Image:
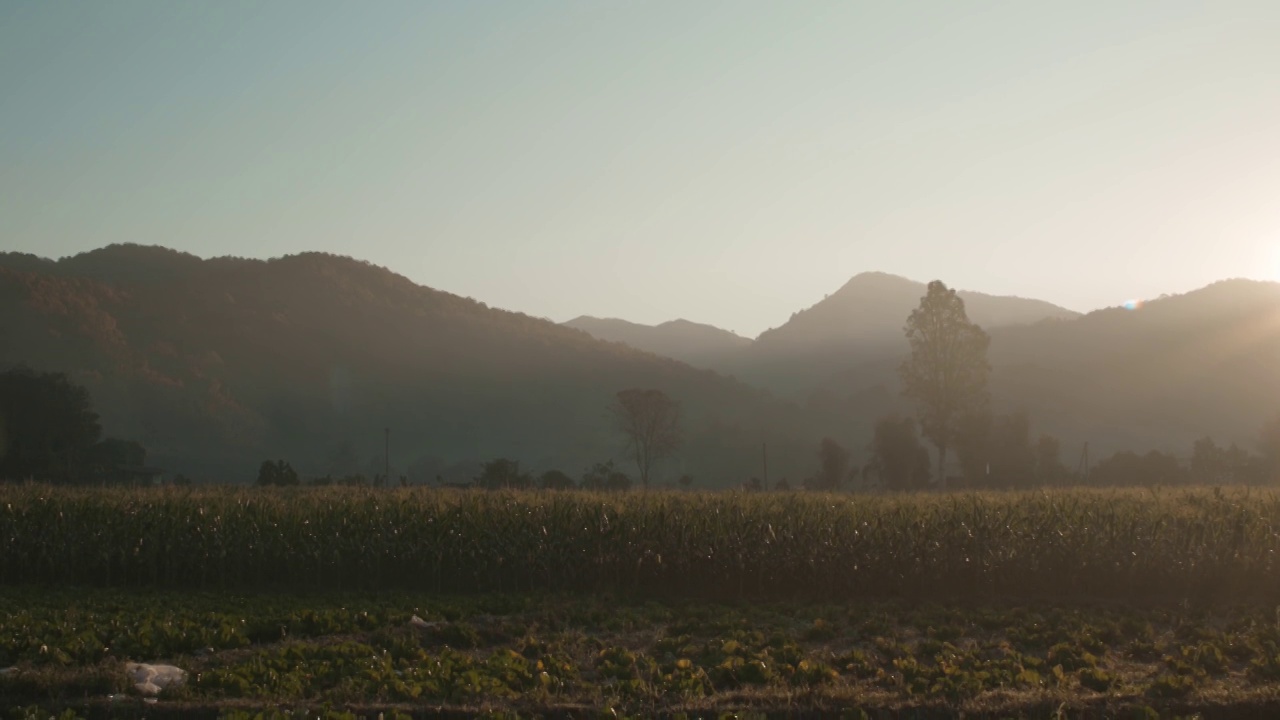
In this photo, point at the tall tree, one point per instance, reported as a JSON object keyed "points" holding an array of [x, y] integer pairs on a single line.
{"points": [[651, 422], [946, 373]]}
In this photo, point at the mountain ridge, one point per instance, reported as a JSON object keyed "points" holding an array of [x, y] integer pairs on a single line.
{"points": [[237, 360], [697, 344], [219, 363]]}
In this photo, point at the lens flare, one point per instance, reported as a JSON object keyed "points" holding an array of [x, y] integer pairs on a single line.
{"points": [[1132, 304]]}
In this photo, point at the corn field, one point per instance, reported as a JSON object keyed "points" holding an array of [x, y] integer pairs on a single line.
{"points": [[1101, 544]]}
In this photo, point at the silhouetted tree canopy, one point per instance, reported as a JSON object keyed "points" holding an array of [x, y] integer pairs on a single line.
{"points": [[833, 466], [604, 476], [1215, 465], [555, 480], [1129, 468], [946, 373], [278, 473], [47, 426], [899, 461], [116, 461], [502, 473]]}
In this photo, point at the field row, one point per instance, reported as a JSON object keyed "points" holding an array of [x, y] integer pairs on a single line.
{"points": [[1186, 543], [532, 655]]}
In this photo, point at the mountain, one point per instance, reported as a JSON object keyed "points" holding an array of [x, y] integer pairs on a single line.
{"points": [[693, 343], [860, 324], [873, 307], [1159, 375], [216, 365]]}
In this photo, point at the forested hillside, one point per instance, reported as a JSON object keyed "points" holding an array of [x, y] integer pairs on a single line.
{"points": [[216, 364], [1157, 374]]}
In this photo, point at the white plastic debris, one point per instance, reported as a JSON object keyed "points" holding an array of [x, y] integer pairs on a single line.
{"points": [[150, 679], [420, 623]]}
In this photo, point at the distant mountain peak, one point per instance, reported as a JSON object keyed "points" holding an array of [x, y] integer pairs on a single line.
{"points": [[868, 275], [867, 314], [691, 342], [871, 279], [690, 325]]}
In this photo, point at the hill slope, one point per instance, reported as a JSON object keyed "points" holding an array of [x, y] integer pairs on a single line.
{"points": [[1161, 375], [217, 364], [1156, 377]]}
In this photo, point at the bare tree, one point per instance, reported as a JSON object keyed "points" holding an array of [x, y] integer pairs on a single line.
{"points": [[946, 373], [651, 422]]}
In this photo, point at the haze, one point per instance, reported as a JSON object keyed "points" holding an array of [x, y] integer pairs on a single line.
{"points": [[725, 162]]}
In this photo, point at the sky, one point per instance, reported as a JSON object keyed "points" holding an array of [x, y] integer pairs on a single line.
{"points": [[726, 162]]}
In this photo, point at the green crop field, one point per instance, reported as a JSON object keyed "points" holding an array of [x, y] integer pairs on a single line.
{"points": [[570, 656], [1197, 543], [347, 603]]}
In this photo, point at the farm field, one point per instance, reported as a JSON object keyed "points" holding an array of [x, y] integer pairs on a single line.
{"points": [[425, 603], [1204, 544], [560, 656]]}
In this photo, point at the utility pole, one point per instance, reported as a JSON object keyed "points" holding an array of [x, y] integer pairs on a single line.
{"points": [[386, 459]]}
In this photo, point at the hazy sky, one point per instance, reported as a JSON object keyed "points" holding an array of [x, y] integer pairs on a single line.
{"points": [[728, 162]]}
